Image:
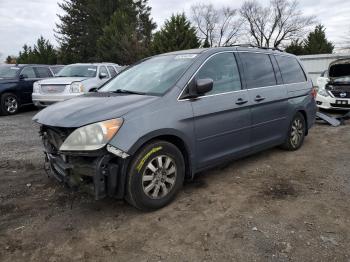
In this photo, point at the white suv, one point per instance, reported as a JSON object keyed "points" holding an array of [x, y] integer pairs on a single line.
{"points": [[335, 93], [71, 81]]}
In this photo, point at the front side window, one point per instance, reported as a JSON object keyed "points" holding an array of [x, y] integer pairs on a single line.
{"points": [[9, 71], [28, 72], [43, 72], [258, 70], [112, 71], [78, 71], [103, 70], [290, 69], [153, 76], [222, 69]]}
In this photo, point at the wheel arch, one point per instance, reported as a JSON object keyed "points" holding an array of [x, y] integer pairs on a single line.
{"points": [[303, 112], [174, 138]]}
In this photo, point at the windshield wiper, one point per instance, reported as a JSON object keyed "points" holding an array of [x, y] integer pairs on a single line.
{"points": [[123, 91]]}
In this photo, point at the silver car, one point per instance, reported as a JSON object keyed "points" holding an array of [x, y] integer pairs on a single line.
{"points": [[71, 81]]}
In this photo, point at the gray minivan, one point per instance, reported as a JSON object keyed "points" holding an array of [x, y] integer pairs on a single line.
{"points": [[172, 115]]}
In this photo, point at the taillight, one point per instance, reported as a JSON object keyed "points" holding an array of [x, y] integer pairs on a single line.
{"points": [[314, 92]]}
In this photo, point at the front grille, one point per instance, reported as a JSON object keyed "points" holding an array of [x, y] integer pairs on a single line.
{"points": [[340, 94], [54, 137], [52, 89]]}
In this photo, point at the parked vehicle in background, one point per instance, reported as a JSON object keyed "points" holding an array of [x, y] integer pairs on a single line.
{"points": [[16, 85], [71, 81], [173, 115], [335, 94], [55, 69], [323, 79]]}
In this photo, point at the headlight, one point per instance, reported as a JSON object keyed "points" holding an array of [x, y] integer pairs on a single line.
{"points": [[323, 92], [36, 88], [92, 137], [76, 87]]}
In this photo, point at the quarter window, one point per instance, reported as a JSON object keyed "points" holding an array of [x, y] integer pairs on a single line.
{"points": [[290, 69], [223, 70], [258, 70], [28, 72]]}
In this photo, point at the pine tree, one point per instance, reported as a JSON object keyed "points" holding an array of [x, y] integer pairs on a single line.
{"points": [[317, 43], [176, 34], [87, 23], [296, 47], [43, 52], [73, 31], [127, 37]]}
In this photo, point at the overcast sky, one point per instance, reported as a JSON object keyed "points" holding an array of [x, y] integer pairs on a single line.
{"points": [[23, 21]]}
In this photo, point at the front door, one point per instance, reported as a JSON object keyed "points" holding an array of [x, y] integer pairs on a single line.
{"points": [[26, 84], [221, 117]]}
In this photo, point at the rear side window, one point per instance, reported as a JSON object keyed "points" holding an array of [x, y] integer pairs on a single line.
{"points": [[258, 70], [43, 72], [112, 71], [28, 72], [290, 69], [222, 69]]}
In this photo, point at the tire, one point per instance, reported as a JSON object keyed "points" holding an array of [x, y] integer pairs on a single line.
{"points": [[296, 133], [156, 175], [9, 104]]}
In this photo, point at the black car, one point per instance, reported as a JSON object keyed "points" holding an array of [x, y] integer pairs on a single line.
{"points": [[16, 85]]}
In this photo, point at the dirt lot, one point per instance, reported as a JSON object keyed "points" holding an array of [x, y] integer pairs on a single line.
{"points": [[273, 206]]}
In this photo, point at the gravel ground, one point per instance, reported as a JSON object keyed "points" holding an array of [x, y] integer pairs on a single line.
{"points": [[272, 206]]}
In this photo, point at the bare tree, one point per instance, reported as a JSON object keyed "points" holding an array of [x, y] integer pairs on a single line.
{"points": [[216, 27], [270, 26]]}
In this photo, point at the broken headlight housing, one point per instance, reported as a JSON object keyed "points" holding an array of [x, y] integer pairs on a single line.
{"points": [[93, 136]]}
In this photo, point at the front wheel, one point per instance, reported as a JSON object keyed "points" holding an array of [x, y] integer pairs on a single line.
{"points": [[296, 133], [9, 104], [155, 176]]}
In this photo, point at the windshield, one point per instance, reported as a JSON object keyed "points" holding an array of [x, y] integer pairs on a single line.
{"points": [[78, 71], [8, 71], [153, 76]]}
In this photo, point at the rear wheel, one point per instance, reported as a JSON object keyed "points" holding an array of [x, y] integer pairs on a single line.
{"points": [[296, 133], [9, 104], [155, 176]]}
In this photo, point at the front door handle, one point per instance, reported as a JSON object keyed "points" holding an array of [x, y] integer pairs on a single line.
{"points": [[259, 98], [240, 101]]}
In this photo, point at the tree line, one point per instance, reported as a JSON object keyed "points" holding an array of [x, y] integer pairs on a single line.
{"points": [[123, 31]]}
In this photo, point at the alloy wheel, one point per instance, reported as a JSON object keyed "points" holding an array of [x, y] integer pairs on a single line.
{"points": [[159, 177], [11, 104], [297, 132]]}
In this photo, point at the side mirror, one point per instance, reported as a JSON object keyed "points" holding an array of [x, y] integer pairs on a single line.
{"points": [[200, 87], [23, 76], [94, 89], [102, 75]]}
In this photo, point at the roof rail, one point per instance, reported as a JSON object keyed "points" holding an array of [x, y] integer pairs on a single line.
{"points": [[260, 47]]}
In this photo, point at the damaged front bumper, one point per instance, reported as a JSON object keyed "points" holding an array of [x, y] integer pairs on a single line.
{"points": [[97, 176], [100, 173]]}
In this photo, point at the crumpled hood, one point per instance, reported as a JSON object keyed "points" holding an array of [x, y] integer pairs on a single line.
{"points": [[90, 108], [62, 80], [339, 69]]}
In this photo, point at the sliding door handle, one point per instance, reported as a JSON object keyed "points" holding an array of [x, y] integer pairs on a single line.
{"points": [[259, 98], [240, 101]]}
